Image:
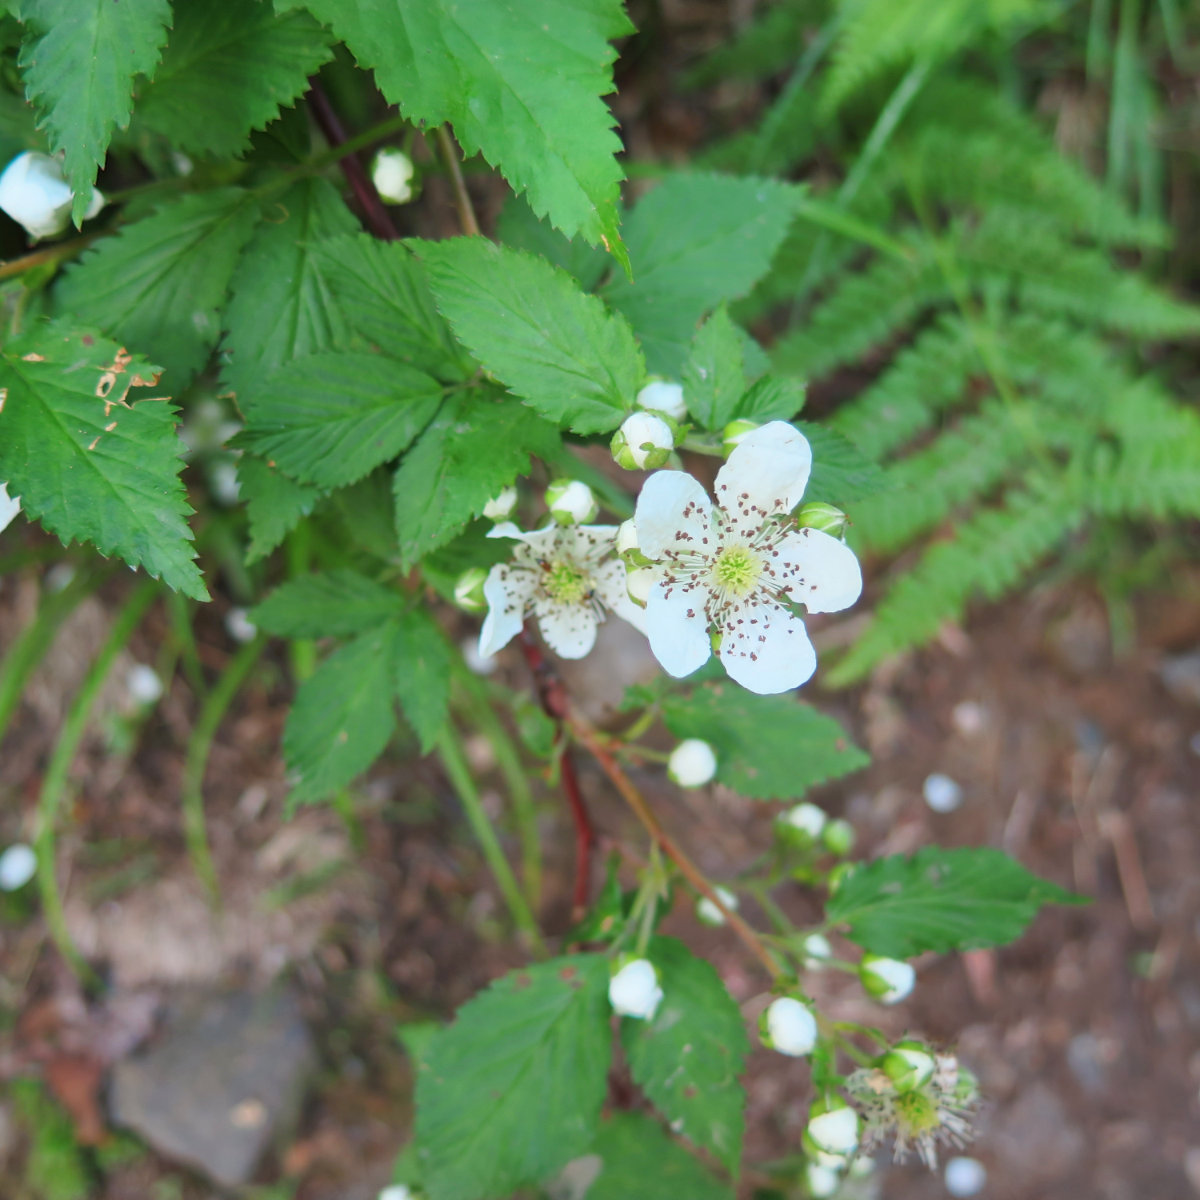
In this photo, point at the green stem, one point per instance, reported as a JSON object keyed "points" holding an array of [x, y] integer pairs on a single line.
{"points": [[185, 638], [212, 712], [450, 750], [54, 781]]}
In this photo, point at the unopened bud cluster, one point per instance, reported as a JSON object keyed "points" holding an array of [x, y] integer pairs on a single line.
{"points": [[35, 193]]}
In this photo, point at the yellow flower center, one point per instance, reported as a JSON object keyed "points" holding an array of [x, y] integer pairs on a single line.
{"points": [[917, 1113], [566, 583], [737, 570]]}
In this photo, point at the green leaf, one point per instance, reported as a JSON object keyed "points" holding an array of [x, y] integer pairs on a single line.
{"points": [[520, 229], [90, 458], [771, 398], [688, 1058], [694, 241], [282, 305], [330, 418], [343, 716], [714, 376], [512, 1090], [333, 604], [532, 326], [228, 69], [79, 71], [964, 899], [472, 449], [159, 283], [521, 84], [840, 472], [768, 747], [640, 1160], [422, 675], [274, 503], [383, 291]]}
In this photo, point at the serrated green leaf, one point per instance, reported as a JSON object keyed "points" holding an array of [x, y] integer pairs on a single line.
{"points": [[228, 69], [964, 899], [282, 305], [519, 228], [333, 604], [694, 241], [768, 747], [639, 1160], [714, 377], [771, 398], [383, 292], [512, 1090], [474, 447], [688, 1058], [343, 716], [330, 418], [533, 327], [158, 284], [841, 474], [274, 503], [89, 458], [422, 675], [521, 84], [79, 71]]}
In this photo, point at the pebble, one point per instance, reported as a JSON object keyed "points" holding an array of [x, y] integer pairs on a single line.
{"points": [[965, 1177], [942, 793]]}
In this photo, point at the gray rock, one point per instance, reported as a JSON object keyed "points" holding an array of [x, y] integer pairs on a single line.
{"points": [[221, 1083]]}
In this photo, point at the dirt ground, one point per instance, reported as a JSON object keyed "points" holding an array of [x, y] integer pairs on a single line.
{"points": [[1081, 764]]}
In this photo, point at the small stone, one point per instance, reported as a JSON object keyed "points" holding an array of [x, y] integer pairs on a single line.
{"points": [[222, 1083], [942, 793], [965, 1177]]}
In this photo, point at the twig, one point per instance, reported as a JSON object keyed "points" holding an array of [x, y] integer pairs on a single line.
{"points": [[462, 198], [586, 735], [376, 215], [553, 698]]}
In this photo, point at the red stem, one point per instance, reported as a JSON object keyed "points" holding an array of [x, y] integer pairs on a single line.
{"points": [[553, 698], [374, 212]]}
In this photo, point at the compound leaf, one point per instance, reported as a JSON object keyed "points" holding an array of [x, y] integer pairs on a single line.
{"points": [[638, 1159], [422, 675], [332, 604]]}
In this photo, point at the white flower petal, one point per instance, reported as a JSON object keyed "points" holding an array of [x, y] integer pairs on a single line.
{"points": [[829, 577], [670, 503], [765, 475], [677, 628], [9, 507], [508, 593], [588, 544], [612, 588], [568, 629], [765, 649]]}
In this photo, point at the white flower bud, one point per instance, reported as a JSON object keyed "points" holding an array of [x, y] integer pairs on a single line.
{"points": [[838, 837], [638, 584], [397, 1191], [693, 763], [634, 992], [643, 443], [35, 193], [942, 793], [833, 1128], [143, 684], [627, 538], [822, 1182], [571, 502], [804, 821], [392, 174], [816, 950], [500, 508], [734, 434], [965, 1177], [11, 505], [18, 865], [659, 395], [823, 517], [224, 481], [239, 626], [790, 1027], [909, 1065], [887, 979], [468, 590], [709, 913]]}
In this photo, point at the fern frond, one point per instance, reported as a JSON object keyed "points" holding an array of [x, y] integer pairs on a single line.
{"points": [[987, 556]]}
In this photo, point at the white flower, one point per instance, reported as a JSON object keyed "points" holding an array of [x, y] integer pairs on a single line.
{"points": [[239, 626], [567, 576], [816, 950], [791, 1028], [34, 192], [822, 1182], [806, 819], [693, 763], [634, 992], [709, 913], [571, 502], [643, 442], [18, 865], [965, 1176], [143, 684], [660, 395], [887, 979], [739, 567], [500, 508], [942, 793], [392, 173], [9, 507], [835, 1131]]}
